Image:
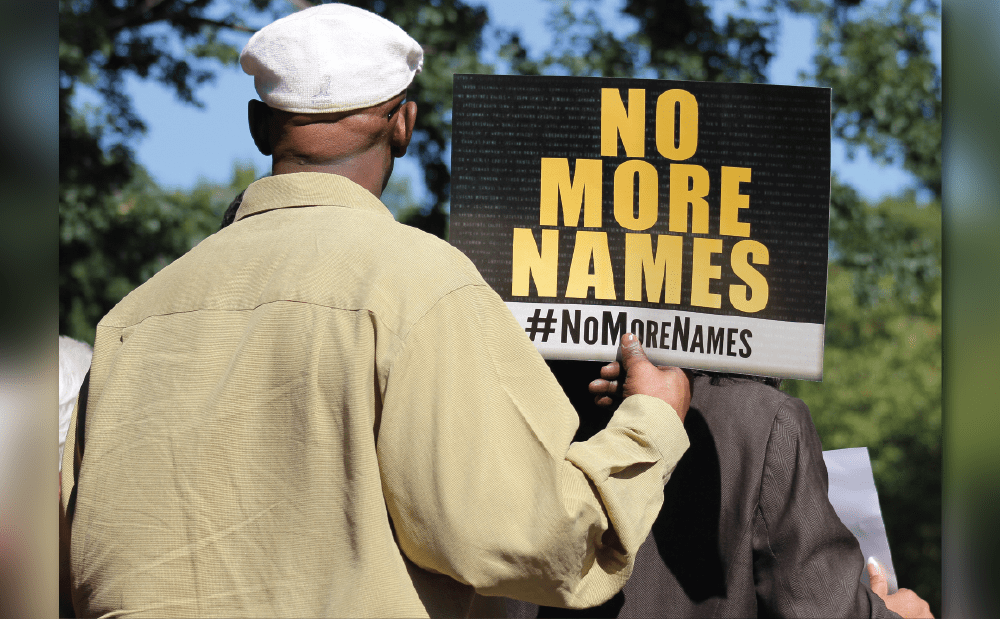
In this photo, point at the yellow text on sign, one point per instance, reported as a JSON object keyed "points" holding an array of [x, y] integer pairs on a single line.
{"points": [[675, 140], [582, 192], [659, 267], [652, 263]]}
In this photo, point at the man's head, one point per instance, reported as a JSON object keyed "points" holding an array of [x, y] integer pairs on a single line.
{"points": [[332, 80]]}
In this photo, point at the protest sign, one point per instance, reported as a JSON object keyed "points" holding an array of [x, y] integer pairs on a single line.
{"points": [[695, 215]]}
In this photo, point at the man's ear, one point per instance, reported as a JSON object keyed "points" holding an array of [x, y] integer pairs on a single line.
{"points": [[402, 131], [259, 117]]}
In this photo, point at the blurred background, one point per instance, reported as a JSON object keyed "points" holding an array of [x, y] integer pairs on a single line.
{"points": [[149, 124]]}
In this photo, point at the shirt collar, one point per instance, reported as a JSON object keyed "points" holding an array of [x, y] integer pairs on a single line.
{"points": [[307, 189]]}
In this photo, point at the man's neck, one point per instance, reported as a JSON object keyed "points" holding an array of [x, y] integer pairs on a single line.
{"points": [[367, 171]]}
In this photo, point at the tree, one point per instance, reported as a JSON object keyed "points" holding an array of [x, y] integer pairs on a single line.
{"points": [[674, 39], [886, 85], [883, 386], [884, 341], [101, 42]]}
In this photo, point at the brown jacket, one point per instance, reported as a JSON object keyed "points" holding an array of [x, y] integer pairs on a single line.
{"points": [[746, 528]]}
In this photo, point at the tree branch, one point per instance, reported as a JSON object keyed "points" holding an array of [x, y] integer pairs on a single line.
{"points": [[221, 24], [149, 4], [301, 4], [152, 11]]}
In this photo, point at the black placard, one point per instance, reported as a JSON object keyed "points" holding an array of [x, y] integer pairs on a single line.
{"points": [[764, 153]]}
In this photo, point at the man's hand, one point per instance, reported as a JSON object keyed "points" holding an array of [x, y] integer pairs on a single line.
{"points": [[904, 602], [642, 377]]}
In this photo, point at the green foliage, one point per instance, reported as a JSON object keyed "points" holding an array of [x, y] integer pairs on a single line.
{"points": [[882, 386], [101, 42], [674, 39], [884, 244], [116, 228], [886, 86], [684, 42]]}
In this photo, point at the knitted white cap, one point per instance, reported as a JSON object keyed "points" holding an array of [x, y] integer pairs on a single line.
{"points": [[330, 58]]}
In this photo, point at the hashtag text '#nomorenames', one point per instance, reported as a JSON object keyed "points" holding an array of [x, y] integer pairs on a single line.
{"points": [[680, 335]]}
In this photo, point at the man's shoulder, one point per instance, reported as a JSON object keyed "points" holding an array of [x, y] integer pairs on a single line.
{"points": [[330, 232], [410, 260], [339, 258], [435, 253], [743, 407], [737, 393]]}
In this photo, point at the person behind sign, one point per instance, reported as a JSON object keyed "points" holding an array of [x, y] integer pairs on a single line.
{"points": [[321, 412], [746, 528]]}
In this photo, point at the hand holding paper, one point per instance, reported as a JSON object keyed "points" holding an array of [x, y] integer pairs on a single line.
{"points": [[904, 602]]}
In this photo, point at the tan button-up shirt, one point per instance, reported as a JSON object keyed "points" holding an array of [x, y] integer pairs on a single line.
{"points": [[321, 412]]}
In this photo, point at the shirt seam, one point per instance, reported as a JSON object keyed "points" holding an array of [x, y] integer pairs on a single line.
{"points": [[404, 338], [250, 309], [271, 209]]}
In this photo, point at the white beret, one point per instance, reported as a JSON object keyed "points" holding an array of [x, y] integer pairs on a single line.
{"points": [[330, 58]]}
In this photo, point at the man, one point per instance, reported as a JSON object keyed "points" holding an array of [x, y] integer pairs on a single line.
{"points": [[746, 529], [320, 412]]}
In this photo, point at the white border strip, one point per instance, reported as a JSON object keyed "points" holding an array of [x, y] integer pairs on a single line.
{"points": [[746, 346]]}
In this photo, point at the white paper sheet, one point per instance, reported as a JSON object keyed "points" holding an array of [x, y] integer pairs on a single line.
{"points": [[855, 499]]}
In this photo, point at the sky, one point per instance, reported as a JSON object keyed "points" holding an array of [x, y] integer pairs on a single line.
{"points": [[185, 144]]}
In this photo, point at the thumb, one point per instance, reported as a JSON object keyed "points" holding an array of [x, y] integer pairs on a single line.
{"points": [[876, 575], [632, 352]]}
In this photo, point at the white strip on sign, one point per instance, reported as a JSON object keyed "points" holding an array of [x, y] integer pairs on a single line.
{"points": [[685, 339]]}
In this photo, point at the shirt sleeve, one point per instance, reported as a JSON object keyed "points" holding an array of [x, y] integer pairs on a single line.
{"points": [[480, 475], [806, 562]]}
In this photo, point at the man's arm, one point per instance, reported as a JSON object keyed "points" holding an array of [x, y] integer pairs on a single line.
{"points": [[480, 476], [806, 562]]}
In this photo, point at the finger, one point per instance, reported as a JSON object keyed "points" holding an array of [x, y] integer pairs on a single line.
{"points": [[876, 576], [632, 352], [603, 401], [611, 370], [602, 387]]}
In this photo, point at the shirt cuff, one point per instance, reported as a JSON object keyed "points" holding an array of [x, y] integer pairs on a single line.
{"points": [[658, 422]]}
